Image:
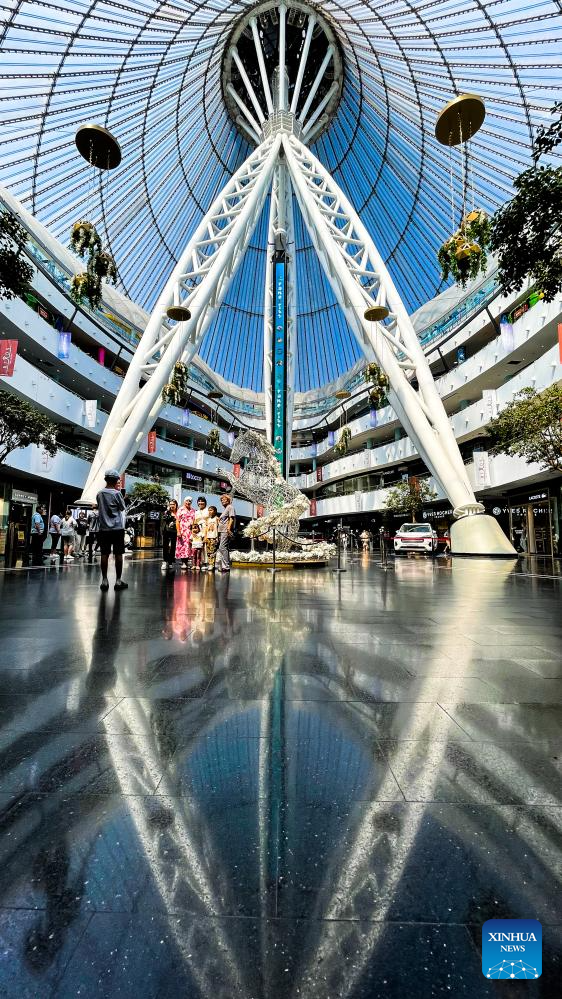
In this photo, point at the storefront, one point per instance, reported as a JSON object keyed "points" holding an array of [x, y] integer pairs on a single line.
{"points": [[534, 519], [15, 536]]}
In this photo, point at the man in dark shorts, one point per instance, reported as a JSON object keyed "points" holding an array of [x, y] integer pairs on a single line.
{"points": [[111, 529]]}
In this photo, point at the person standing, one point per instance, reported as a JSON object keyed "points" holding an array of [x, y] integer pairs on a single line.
{"points": [[93, 526], [169, 536], [54, 532], [111, 529], [196, 546], [201, 515], [212, 537], [81, 532], [227, 521], [186, 517], [37, 534], [67, 529]]}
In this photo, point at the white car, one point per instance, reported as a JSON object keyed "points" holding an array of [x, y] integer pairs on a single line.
{"points": [[415, 538]]}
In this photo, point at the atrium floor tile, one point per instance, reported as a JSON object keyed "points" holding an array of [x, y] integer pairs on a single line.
{"points": [[294, 787]]}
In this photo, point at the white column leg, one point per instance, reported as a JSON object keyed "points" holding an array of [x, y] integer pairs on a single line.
{"points": [[359, 278], [199, 281]]}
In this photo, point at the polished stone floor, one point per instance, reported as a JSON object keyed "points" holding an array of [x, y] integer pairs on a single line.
{"points": [[307, 786]]}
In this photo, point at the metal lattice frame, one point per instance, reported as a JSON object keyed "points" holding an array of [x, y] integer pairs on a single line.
{"points": [[198, 282]]}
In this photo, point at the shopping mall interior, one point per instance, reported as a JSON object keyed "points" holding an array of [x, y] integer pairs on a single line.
{"points": [[280, 499]]}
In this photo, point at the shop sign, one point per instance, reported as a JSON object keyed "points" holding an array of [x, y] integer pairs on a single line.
{"points": [[41, 311], [8, 354], [279, 372], [21, 496], [151, 446]]}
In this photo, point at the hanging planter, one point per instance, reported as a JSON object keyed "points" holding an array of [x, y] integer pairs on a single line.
{"points": [[104, 265], [85, 238], [213, 441], [464, 254], [175, 389], [171, 394], [86, 288], [181, 374], [375, 376], [342, 445]]}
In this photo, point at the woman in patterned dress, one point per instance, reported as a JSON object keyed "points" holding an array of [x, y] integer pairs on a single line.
{"points": [[183, 546]]}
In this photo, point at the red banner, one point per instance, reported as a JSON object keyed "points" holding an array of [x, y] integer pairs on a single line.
{"points": [[8, 354], [236, 471], [313, 508], [319, 473], [259, 511], [151, 442], [560, 340]]}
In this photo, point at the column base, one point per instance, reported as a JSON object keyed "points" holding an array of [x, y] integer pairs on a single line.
{"points": [[480, 534]]}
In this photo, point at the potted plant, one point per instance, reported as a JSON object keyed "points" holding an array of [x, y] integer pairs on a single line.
{"points": [[463, 255]]}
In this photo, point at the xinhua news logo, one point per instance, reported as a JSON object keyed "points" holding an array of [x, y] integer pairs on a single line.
{"points": [[512, 948]]}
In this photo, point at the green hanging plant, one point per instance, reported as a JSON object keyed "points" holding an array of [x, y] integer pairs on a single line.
{"points": [[213, 441], [342, 445], [103, 265], [85, 238], [175, 389], [86, 288], [464, 255], [375, 376]]}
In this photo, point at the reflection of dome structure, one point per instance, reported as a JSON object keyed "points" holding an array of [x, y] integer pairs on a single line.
{"points": [[155, 78]]}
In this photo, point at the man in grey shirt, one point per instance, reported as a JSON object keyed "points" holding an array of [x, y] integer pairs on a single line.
{"points": [[111, 529], [227, 520]]}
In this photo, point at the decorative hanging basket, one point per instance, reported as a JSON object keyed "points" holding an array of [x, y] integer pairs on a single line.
{"points": [[86, 288], [376, 377], [342, 445], [85, 238], [464, 255], [104, 265], [213, 441]]}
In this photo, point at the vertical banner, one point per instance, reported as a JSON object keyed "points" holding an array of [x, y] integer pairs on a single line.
{"points": [[8, 354], [122, 479], [151, 442], [314, 449], [313, 508], [559, 340], [176, 492], [507, 337], [373, 418], [91, 412], [320, 473], [490, 400], [185, 418], [236, 471], [101, 356], [279, 367], [259, 511], [481, 469], [231, 439], [331, 438], [63, 352]]}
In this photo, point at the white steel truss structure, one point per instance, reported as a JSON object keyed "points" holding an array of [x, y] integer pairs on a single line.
{"points": [[273, 106]]}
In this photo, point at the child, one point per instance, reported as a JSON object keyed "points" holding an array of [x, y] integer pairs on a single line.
{"points": [[212, 537], [196, 546]]}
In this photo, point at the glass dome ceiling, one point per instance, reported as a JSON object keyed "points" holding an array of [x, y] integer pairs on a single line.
{"points": [[151, 73]]}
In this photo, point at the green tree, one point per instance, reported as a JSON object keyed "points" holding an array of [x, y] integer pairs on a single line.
{"points": [[530, 427], [409, 496], [15, 272], [146, 496], [526, 232], [21, 424]]}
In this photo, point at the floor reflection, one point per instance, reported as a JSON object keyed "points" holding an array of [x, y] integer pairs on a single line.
{"points": [[297, 785]]}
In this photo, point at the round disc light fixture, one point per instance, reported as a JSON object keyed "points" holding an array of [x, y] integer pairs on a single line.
{"points": [[98, 146], [460, 120], [343, 394], [375, 313], [215, 394], [178, 313]]}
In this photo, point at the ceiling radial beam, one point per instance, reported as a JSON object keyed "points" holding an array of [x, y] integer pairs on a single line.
{"points": [[248, 85], [261, 64], [302, 64], [317, 82]]}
